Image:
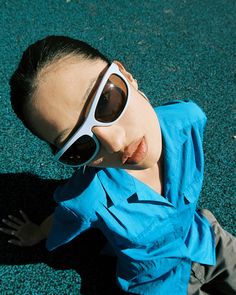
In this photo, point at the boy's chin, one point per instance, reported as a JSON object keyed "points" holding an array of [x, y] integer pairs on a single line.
{"points": [[141, 166]]}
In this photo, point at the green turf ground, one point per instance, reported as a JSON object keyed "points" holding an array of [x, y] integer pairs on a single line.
{"points": [[176, 49]]}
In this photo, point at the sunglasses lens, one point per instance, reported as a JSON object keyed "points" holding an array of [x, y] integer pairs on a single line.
{"points": [[112, 101], [79, 152]]}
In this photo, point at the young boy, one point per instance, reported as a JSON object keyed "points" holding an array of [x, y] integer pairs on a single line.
{"points": [[141, 176]]}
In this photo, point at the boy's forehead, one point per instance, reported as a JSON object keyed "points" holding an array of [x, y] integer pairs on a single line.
{"points": [[67, 79], [61, 95]]}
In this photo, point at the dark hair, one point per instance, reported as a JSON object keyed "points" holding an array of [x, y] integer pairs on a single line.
{"points": [[35, 58]]}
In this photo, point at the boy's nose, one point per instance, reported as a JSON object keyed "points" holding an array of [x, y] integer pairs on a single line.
{"points": [[112, 138]]}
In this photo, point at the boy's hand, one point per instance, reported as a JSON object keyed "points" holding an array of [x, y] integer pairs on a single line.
{"points": [[26, 232]]}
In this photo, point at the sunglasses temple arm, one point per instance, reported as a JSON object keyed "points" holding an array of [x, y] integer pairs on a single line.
{"points": [[143, 95]]}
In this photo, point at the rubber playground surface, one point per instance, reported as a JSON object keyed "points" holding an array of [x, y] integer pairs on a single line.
{"points": [[176, 50]]}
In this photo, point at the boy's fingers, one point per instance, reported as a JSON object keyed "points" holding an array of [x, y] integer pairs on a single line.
{"points": [[11, 224], [24, 216], [16, 220], [8, 231], [15, 242]]}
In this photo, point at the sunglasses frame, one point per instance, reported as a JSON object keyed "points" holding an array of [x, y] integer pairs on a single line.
{"points": [[90, 121]]}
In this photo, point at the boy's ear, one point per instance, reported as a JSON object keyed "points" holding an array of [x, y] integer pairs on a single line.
{"points": [[128, 76]]}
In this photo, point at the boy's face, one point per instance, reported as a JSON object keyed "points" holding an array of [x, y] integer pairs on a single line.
{"points": [[59, 104]]}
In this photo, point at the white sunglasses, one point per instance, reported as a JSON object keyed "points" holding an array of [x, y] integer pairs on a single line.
{"points": [[109, 103]]}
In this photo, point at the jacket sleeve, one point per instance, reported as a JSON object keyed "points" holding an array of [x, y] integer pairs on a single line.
{"points": [[65, 227], [77, 201]]}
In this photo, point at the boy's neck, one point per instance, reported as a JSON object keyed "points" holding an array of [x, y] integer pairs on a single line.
{"points": [[153, 176]]}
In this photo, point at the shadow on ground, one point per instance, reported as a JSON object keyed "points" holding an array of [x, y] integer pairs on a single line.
{"points": [[34, 195]]}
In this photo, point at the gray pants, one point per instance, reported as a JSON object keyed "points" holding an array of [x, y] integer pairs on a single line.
{"points": [[221, 278]]}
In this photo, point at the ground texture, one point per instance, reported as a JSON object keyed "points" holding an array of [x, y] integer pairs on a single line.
{"points": [[176, 50]]}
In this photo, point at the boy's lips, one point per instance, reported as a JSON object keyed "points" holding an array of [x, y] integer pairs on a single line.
{"points": [[135, 152]]}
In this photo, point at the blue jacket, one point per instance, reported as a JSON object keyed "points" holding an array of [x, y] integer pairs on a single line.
{"points": [[155, 237]]}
